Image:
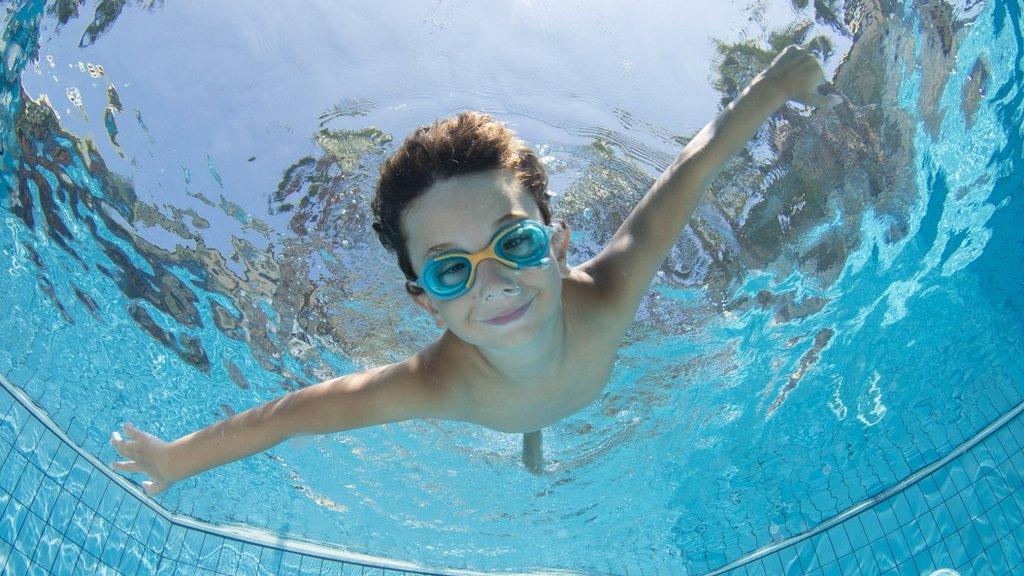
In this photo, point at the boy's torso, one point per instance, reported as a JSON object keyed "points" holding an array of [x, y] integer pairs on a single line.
{"points": [[593, 333]]}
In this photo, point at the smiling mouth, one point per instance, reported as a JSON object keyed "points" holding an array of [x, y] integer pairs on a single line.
{"points": [[513, 315]]}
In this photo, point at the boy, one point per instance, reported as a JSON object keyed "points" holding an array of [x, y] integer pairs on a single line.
{"points": [[528, 340]]}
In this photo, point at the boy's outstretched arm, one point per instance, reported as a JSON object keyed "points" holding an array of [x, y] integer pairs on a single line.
{"points": [[376, 396], [624, 269]]}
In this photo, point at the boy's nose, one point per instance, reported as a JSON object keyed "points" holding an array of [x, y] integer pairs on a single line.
{"points": [[493, 277]]}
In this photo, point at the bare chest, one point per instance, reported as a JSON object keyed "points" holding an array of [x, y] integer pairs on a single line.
{"points": [[581, 377]]}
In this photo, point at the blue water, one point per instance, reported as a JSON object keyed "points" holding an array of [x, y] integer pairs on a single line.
{"points": [[845, 309]]}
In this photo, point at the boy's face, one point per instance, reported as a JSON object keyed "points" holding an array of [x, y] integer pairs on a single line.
{"points": [[463, 213]]}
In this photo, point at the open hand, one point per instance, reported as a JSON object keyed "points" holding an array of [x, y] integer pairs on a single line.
{"points": [[147, 453], [797, 73]]}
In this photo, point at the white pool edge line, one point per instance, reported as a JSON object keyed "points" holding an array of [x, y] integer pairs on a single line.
{"points": [[244, 533], [876, 499]]}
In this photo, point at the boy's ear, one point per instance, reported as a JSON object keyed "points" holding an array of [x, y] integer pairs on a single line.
{"points": [[560, 242], [423, 302]]}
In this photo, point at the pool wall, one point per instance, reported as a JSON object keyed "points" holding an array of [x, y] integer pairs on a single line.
{"points": [[64, 512]]}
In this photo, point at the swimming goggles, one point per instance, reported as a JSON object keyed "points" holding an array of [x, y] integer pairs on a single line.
{"points": [[520, 244]]}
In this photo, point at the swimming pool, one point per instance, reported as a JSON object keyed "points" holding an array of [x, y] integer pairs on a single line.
{"points": [[825, 377]]}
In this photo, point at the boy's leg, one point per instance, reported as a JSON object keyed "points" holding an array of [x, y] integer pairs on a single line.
{"points": [[533, 455]]}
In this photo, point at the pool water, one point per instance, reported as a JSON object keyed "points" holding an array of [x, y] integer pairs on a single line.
{"points": [[823, 378]]}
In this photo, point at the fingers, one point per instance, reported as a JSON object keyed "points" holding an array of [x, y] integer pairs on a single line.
{"points": [[124, 447], [823, 101], [128, 466], [131, 430], [153, 488]]}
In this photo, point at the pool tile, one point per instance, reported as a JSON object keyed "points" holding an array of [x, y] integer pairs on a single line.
{"points": [[807, 555], [45, 497], [883, 555], [131, 557], [957, 474], [110, 502], [29, 436], [191, 546], [957, 550], [63, 509], [773, 564], [185, 569], [12, 422], [831, 569], [996, 559], [823, 549], [167, 567], [789, 560], [985, 531], [149, 563], [11, 521], [270, 562], [142, 524], [209, 556], [958, 511], [290, 563], [901, 507], [47, 548], [855, 531], [126, 513], [17, 563], [865, 558], [29, 535], [980, 565], [113, 546], [923, 562], [28, 484], [97, 536], [230, 552], [249, 559], [173, 543], [1011, 551], [60, 464], [78, 528], [11, 470], [941, 556], [86, 564], [44, 451], [900, 547], [67, 557], [331, 568], [92, 496], [78, 477]]}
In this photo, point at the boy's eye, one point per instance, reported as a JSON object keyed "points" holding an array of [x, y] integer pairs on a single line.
{"points": [[518, 245], [452, 273]]}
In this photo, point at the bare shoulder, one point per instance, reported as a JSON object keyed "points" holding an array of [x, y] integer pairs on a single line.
{"points": [[438, 376], [595, 306]]}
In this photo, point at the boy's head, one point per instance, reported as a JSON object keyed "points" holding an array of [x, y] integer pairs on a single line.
{"points": [[452, 187], [468, 143]]}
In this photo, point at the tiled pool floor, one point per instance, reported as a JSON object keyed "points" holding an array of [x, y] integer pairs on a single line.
{"points": [[65, 513]]}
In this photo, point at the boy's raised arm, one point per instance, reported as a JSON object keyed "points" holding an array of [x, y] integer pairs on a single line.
{"points": [[377, 396], [624, 269]]}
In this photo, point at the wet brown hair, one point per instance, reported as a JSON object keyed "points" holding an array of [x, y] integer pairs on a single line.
{"points": [[463, 144]]}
